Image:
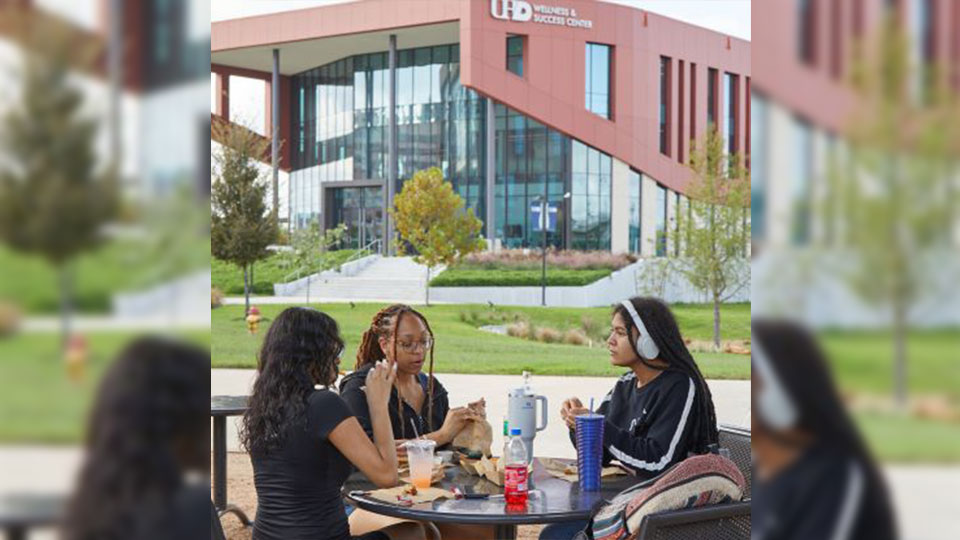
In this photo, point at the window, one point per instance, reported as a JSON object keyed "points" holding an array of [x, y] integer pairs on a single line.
{"points": [[730, 105], [634, 185], [515, 55], [590, 200], [665, 105], [806, 31], [803, 177], [711, 98], [680, 113], [597, 79], [661, 221], [693, 101], [676, 225]]}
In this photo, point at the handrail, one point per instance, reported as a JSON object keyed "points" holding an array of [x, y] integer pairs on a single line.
{"points": [[356, 256]]}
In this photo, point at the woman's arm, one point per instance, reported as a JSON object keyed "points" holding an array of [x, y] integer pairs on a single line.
{"points": [[377, 460], [378, 465]]}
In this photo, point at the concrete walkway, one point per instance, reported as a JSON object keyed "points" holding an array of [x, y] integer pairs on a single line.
{"points": [[732, 400]]}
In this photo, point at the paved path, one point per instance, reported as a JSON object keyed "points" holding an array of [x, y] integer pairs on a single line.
{"points": [[732, 399]]}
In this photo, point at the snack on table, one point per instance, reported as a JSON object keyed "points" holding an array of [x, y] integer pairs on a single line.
{"points": [[476, 437]]}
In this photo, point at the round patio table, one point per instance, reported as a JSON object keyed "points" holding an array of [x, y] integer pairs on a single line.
{"points": [[551, 500], [220, 408]]}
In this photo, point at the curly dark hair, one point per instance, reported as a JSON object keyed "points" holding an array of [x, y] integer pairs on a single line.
{"points": [[662, 326], [300, 351], [148, 426], [384, 325]]}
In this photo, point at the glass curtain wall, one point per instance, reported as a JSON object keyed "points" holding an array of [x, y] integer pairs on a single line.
{"points": [[340, 124]]}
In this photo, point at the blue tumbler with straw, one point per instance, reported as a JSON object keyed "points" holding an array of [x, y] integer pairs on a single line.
{"points": [[589, 450]]}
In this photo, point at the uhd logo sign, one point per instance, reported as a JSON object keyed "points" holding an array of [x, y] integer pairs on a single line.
{"points": [[516, 10], [520, 11]]}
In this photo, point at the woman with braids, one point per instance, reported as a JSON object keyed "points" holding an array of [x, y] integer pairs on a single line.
{"points": [[660, 411], [418, 403], [303, 441], [401, 336]]}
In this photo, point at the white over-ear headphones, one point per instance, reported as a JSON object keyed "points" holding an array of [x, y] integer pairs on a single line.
{"points": [[645, 345], [774, 404]]}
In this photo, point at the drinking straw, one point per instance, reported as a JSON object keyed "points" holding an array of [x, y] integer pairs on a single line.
{"points": [[414, 426], [591, 405]]}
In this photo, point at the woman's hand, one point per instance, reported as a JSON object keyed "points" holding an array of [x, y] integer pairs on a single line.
{"points": [[456, 419], [378, 383], [569, 411]]}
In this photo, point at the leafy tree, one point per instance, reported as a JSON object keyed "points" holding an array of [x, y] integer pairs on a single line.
{"points": [[431, 218], [308, 248], [241, 225], [54, 198], [894, 189], [716, 232]]}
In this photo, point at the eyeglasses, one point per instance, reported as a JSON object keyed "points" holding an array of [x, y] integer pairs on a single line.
{"points": [[413, 346]]}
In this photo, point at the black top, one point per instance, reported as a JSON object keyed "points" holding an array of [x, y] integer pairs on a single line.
{"points": [[648, 429], [298, 485], [824, 494], [350, 390]]}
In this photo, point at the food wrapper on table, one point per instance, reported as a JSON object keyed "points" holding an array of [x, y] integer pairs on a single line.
{"points": [[493, 468], [567, 469], [409, 495], [476, 436]]}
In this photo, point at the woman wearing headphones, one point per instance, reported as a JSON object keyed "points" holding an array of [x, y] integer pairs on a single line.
{"points": [[660, 411], [814, 476]]}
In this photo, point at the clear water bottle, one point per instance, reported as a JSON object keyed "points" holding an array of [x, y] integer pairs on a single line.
{"points": [[506, 439], [515, 484]]}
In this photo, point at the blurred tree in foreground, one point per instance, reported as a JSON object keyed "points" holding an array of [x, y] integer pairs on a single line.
{"points": [[54, 199], [894, 191]]}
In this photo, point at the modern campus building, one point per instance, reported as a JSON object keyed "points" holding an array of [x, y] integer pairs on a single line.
{"points": [[592, 105]]}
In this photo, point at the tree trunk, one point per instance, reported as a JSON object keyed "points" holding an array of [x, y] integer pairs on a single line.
{"points": [[246, 289], [308, 287], [900, 356], [252, 267], [716, 322], [428, 286], [66, 304]]}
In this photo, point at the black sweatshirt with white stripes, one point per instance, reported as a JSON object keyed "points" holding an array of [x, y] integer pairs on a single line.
{"points": [[648, 429]]}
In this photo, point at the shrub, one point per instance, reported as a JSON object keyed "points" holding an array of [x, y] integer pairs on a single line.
{"points": [[216, 298], [531, 260], [545, 334], [519, 329], [474, 277], [9, 319], [575, 336], [588, 324]]}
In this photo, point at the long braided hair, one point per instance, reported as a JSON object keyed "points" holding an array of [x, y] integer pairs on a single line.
{"points": [[385, 325], [662, 326]]}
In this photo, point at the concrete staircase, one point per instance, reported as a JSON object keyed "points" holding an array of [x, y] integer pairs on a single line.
{"points": [[392, 279]]}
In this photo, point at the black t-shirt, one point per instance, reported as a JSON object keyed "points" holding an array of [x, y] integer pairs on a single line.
{"points": [[350, 390], [648, 429], [824, 494], [298, 485]]}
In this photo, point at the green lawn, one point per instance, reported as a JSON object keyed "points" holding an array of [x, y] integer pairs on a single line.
{"points": [[521, 277], [229, 278], [910, 440], [38, 403], [863, 361], [463, 348], [31, 283]]}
